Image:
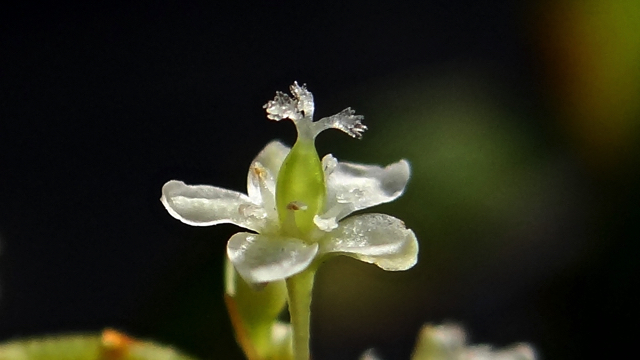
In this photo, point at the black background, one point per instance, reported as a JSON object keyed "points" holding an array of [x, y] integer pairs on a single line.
{"points": [[100, 105]]}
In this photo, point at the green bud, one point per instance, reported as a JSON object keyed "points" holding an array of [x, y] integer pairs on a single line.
{"points": [[254, 315]]}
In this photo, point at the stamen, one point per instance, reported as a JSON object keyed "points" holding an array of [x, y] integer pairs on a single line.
{"points": [[325, 224], [296, 205], [259, 179], [254, 211], [260, 172]]}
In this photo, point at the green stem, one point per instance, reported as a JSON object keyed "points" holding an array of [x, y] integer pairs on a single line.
{"points": [[299, 289]]}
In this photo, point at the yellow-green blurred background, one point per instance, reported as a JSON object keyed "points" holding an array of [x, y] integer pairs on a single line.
{"points": [[520, 121]]}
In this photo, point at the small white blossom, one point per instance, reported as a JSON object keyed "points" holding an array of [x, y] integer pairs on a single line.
{"points": [[448, 342], [281, 245]]}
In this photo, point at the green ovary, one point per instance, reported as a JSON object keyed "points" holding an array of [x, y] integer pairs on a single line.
{"points": [[300, 181]]}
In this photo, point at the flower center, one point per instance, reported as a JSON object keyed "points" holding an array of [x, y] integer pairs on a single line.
{"points": [[300, 190]]}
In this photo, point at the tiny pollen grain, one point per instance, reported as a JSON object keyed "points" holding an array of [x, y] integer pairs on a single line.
{"points": [[260, 173], [296, 205]]}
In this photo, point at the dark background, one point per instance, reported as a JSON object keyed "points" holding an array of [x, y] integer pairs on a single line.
{"points": [[520, 120]]}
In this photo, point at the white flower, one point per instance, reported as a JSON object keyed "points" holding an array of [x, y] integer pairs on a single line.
{"points": [[297, 206], [448, 342]]}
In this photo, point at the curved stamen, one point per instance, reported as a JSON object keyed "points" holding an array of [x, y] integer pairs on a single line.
{"points": [[258, 177]]}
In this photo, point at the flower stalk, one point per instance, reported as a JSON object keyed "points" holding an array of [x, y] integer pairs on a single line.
{"points": [[299, 290]]}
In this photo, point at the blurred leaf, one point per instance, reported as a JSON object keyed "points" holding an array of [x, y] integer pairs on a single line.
{"points": [[111, 345]]}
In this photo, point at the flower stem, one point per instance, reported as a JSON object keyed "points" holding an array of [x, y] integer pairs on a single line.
{"points": [[299, 288]]}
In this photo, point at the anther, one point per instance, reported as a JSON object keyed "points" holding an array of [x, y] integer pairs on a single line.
{"points": [[296, 205]]}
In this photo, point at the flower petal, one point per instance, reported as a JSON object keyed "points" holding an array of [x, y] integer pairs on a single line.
{"points": [[264, 170], [203, 205], [374, 238], [351, 187], [265, 258]]}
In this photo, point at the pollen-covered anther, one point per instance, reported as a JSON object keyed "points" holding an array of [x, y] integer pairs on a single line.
{"points": [[249, 210], [296, 205], [260, 172]]}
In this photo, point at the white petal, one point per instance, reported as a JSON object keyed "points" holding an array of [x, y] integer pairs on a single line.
{"points": [[352, 187], [264, 258], [374, 238], [203, 205], [268, 162]]}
